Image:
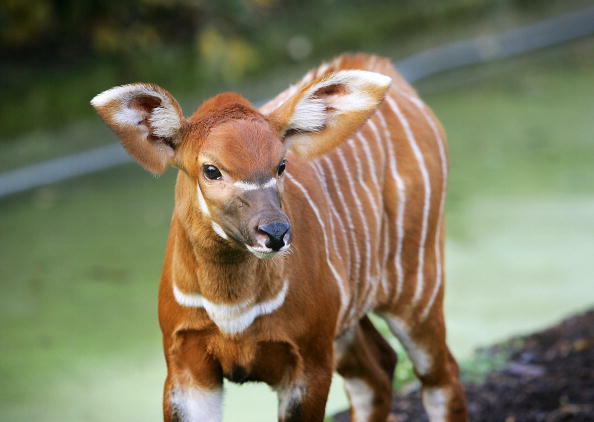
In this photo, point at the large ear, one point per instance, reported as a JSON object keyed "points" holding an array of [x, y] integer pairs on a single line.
{"points": [[147, 120], [327, 111]]}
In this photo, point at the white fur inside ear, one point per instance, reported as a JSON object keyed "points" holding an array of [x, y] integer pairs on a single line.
{"points": [[312, 113], [164, 119], [309, 115]]}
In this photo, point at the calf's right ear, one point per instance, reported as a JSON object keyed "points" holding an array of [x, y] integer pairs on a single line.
{"points": [[146, 118]]}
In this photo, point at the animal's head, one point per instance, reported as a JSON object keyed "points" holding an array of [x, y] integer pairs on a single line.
{"points": [[232, 155]]}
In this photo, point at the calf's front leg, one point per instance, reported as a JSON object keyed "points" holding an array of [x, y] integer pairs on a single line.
{"points": [[194, 386], [304, 399]]}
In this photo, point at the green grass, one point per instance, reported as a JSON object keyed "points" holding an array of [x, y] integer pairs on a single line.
{"points": [[80, 260]]}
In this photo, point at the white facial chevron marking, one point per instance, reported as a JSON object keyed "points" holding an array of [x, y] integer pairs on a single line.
{"points": [[202, 202], [219, 230], [234, 318], [247, 186]]}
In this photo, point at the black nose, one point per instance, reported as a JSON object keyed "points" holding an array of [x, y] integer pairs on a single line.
{"points": [[276, 232]]}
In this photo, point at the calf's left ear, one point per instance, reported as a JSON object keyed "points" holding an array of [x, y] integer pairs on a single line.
{"points": [[327, 111], [146, 118]]}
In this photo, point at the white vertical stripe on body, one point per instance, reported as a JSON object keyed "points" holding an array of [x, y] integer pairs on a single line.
{"points": [[369, 279], [384, 274], [355, 247], [400, 208], [444, 172], [339, 281], [361, 211], [324, 180], [368, 155], [380, 147], [427, 185], [378, 143]]}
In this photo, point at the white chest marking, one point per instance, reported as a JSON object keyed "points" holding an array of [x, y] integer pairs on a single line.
{"points": [[235, 318]]}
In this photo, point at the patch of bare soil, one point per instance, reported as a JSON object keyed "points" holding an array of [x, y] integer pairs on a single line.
{"points": [[548, 377]]}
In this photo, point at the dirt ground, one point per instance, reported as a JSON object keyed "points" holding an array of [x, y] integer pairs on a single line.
{"points": [[548, 377]]}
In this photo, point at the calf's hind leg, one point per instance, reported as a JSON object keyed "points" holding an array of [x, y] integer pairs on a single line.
{"points": [[366, 362], [425, 344]]}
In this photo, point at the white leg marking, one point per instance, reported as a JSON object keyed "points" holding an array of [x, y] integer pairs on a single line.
{"points": [[400, 186], [361, 398], [435, 401], [197, 405], [444, 172], [423, 168], [288, 397], [232, 318], [201, 201], [419, 357], [339, 281]]}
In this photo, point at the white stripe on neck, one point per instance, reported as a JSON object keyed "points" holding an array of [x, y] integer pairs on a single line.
{"points": [[234, 318]]}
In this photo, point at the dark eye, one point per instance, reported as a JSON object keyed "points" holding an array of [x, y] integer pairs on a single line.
{"points": [[211, 172], [281, 167]]}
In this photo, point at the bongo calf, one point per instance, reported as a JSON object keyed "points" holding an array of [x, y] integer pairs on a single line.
{"points": [[291, 223]]}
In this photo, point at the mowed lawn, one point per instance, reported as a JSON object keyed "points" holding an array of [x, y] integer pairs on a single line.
{"points": [[80, 260]]}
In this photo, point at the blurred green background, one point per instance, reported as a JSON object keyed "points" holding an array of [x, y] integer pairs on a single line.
{"points": [[80, 260]]}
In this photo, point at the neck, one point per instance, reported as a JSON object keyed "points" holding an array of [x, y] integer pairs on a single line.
{"points": [[207, 265], [204, 263]]}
